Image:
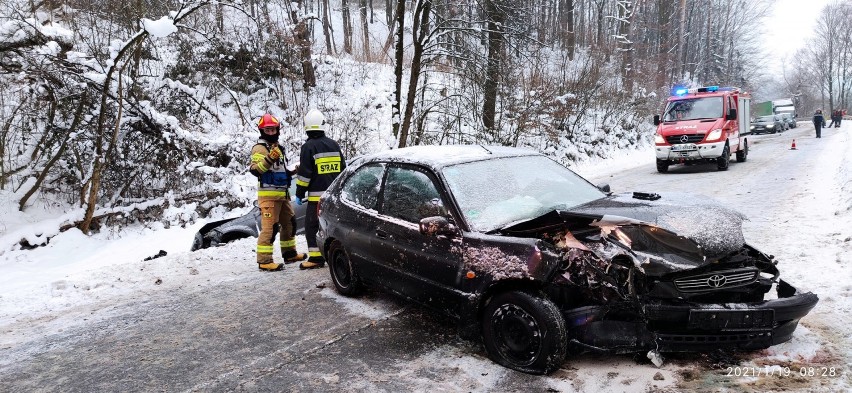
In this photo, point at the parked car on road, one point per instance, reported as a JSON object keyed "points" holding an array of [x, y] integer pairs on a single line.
{"points": [[788, 120], [538, 262], [768, 124]]}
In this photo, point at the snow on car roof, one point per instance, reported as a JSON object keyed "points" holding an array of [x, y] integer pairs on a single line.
{"points": [[443, 155]]}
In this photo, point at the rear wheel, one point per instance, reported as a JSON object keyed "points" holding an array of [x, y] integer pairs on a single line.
{"points": [[342, 272], [524, 332], [742, 154], [725, 159], [662, 166]]}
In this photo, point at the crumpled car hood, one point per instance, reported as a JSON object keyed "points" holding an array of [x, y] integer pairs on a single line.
{"points": [[715, 229]]}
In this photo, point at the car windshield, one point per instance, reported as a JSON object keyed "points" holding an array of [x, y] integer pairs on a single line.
{"points": [[693, 109], [495, 193], [766, 118]]}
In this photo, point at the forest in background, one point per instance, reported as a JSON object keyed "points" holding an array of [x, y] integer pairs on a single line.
{"points": [[122, 108]]}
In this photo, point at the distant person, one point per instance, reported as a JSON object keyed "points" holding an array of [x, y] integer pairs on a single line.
{"points": [[269, 164], [819, 123], [320, 161], [833, 119], [838, 116]]}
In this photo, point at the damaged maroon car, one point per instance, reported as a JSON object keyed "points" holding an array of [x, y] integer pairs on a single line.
{"points": [[540, 263]]}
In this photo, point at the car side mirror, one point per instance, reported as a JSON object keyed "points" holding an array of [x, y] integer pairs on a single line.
{"points": [[605, 188], [656, 120], [732, 114], [438, 226]]}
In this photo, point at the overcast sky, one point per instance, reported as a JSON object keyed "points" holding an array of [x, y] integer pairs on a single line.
{"points": [[789, 27]]}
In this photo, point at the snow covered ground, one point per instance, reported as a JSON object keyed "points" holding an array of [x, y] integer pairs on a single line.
{"points": [[799, 204]]}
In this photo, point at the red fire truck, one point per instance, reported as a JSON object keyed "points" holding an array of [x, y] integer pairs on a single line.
{"points": [[704, 124]]}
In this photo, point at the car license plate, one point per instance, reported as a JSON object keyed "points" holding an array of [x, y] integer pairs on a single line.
{"points": [[731, 319], [684, 147]]}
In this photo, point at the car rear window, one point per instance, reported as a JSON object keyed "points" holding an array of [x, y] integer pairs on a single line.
{"points": [[362, 188]]}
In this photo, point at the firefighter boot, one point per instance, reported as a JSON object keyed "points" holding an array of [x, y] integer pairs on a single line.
{"points": [[291, 256], [312, 263], [270, 267]]}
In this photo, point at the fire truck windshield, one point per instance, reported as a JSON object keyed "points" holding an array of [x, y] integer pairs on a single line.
{"points": [[693, 109]]}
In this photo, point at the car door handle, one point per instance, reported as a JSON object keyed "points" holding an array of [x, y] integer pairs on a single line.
{"points": [[381, 234]]}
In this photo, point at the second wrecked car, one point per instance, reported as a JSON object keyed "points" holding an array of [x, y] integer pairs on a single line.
{"points": [[538, 262]]}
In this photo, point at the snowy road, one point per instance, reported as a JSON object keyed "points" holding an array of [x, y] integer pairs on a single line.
{"points": [[207, 321], [798, 205]]}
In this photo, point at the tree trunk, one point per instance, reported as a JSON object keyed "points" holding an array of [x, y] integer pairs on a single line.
{"points": [[420, 31], [599, 30], [304, 43], [681, 40], [326, 28], [566, 22], [496, 20], [347, 27], [220, 17], [397, 70], [365, 27], [625, 43]]}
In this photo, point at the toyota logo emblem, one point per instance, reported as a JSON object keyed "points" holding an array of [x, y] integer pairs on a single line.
{"points": [[684, 139], [716, 281]]}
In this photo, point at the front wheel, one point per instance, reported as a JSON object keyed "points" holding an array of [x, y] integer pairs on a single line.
{"points": [[662, 166], [725, 159], [742, 154], [524, 332], [342, 272]]}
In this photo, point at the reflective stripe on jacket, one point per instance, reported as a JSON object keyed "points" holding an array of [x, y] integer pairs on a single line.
{"points": [[320, 161], [274, 180]]}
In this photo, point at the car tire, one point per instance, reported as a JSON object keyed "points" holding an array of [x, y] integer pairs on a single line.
{"points": [[342, 271], [662, 166], [724, 160], [524, 332], [742, 154]]}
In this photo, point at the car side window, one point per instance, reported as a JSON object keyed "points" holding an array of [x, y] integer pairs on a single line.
{"points": [[362, 188], [411, 195]]}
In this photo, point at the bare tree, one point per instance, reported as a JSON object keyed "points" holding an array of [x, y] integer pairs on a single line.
{"points": [[303, 41], [365, 29], [347, 27], [399, 53], [496, 19], [421, 30], [326, 28]]}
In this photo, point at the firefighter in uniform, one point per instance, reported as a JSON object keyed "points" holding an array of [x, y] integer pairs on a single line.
{"points": [[269, 164], [320, 162]]}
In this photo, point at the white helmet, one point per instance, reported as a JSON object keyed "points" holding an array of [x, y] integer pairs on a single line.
{"points": [[314, 121]]}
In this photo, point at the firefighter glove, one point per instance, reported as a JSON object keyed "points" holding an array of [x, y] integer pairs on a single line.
{"points": [[299, 201], [275, 153]]}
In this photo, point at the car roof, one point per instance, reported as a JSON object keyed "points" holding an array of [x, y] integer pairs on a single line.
{"points": [[445, 155]]}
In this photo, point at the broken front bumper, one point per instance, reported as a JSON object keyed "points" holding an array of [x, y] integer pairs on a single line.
{"points": [[688, 326]]}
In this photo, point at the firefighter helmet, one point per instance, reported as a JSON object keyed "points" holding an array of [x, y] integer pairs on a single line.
{"points": [[314, 121], [268, 120]]}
